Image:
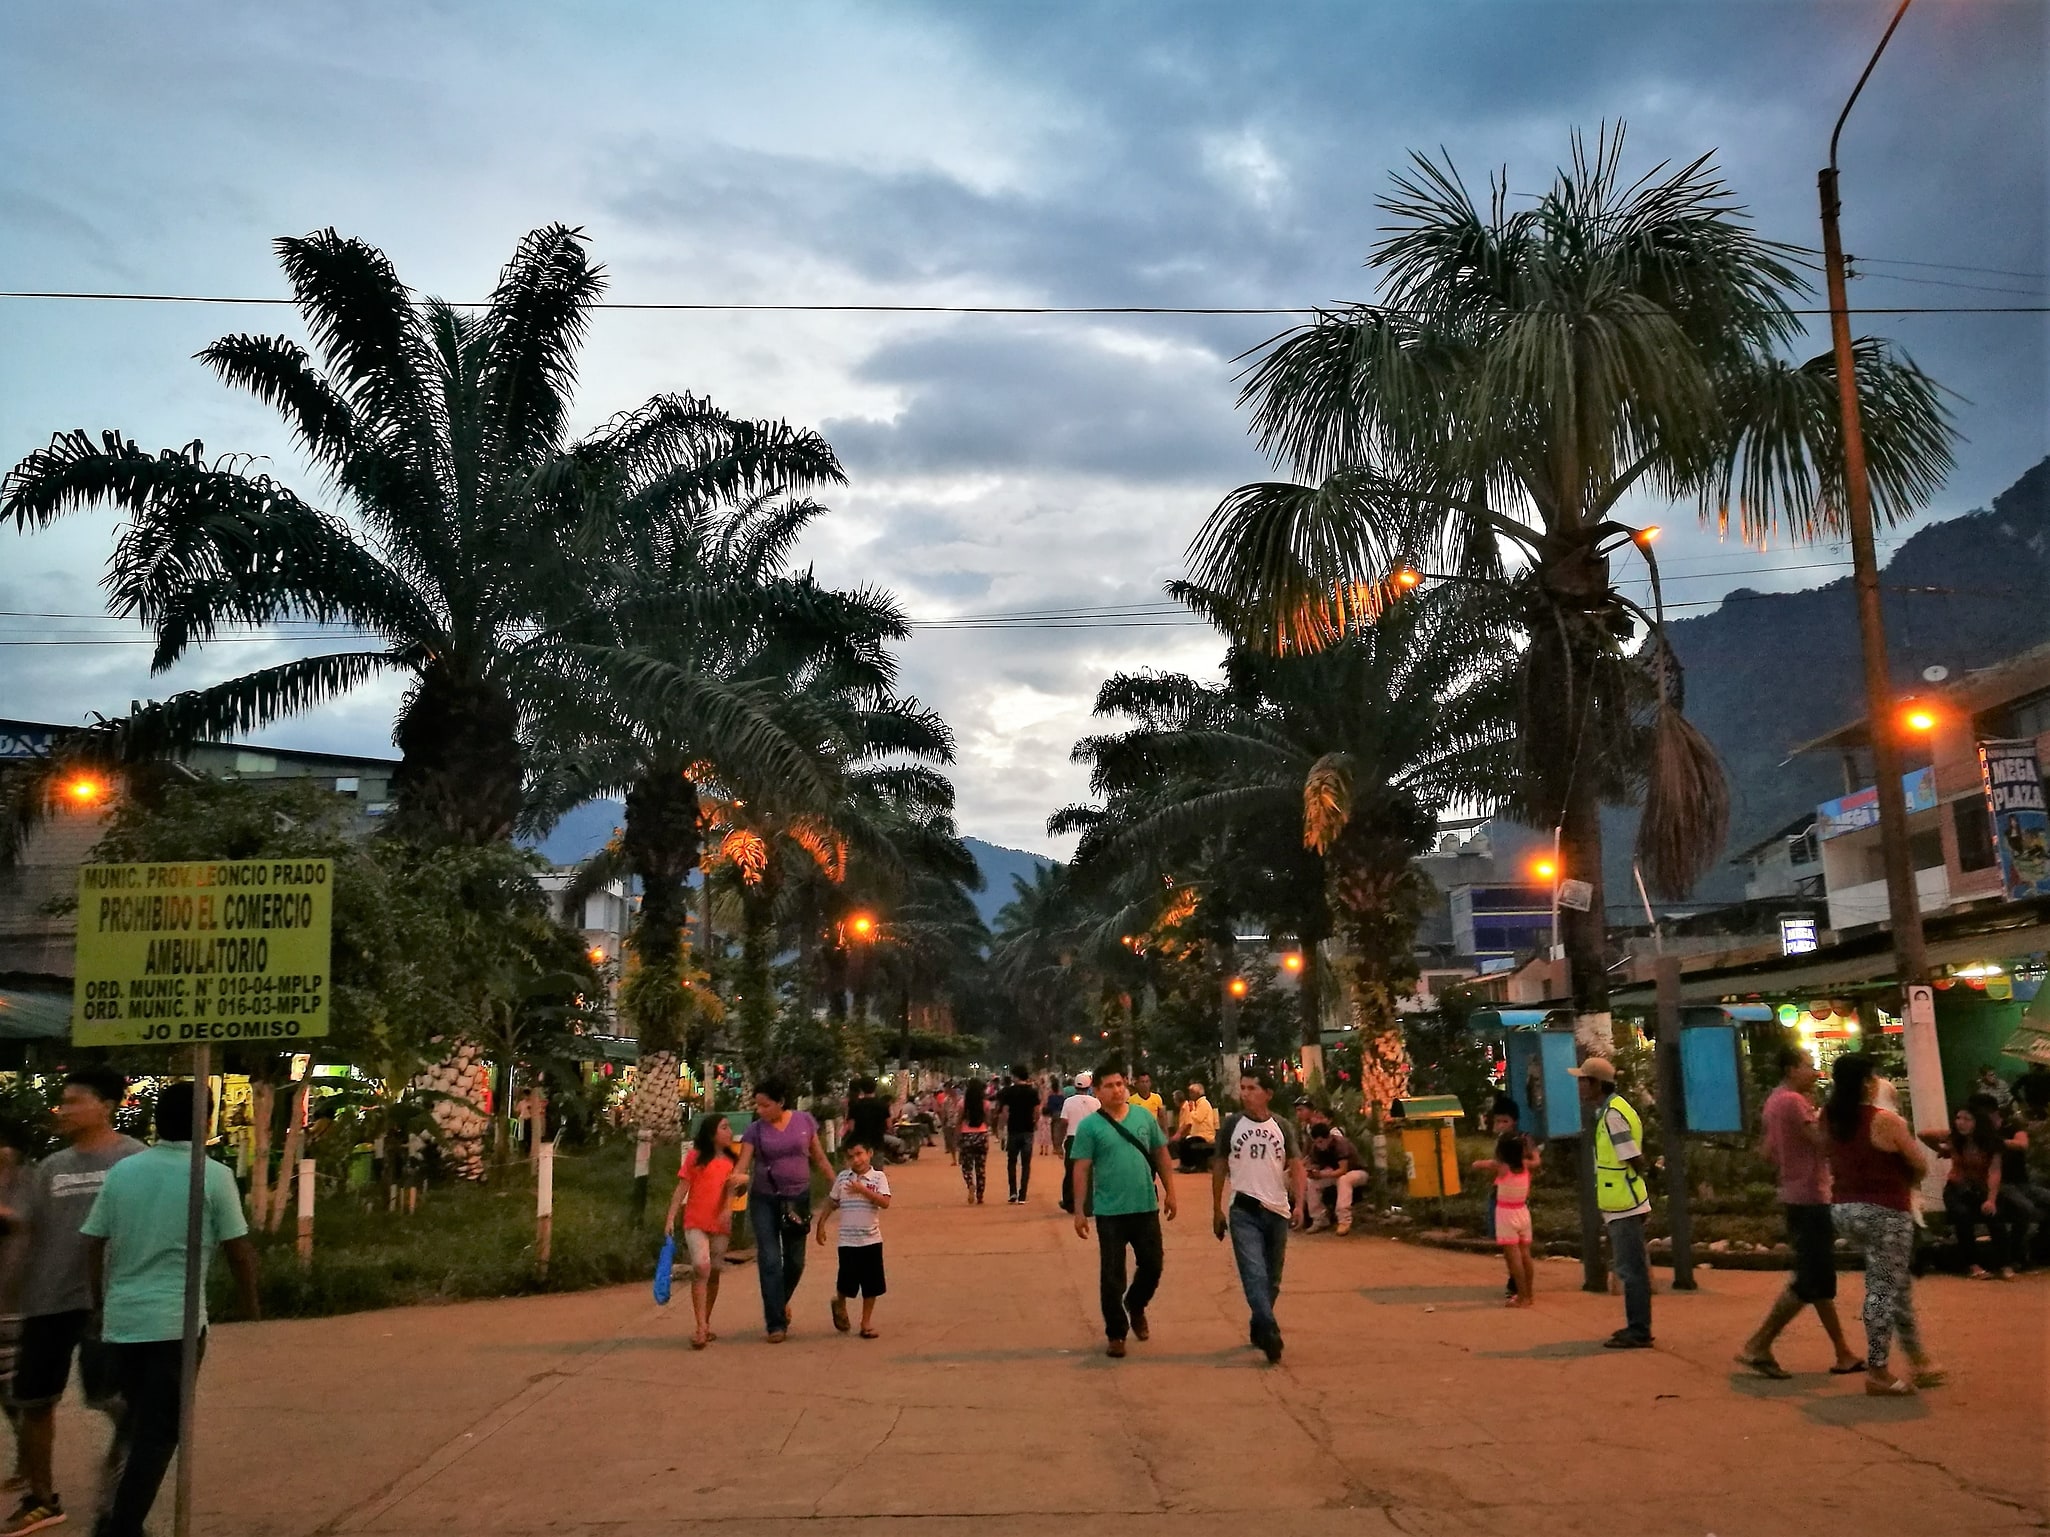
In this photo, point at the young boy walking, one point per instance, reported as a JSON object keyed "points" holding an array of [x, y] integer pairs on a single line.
{"points": [[859, 1194], [1263, 1168]]}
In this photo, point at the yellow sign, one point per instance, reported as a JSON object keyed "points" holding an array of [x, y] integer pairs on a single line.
{"points": [[174, 954]]}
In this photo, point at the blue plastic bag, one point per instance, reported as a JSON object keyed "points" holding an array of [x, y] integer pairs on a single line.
{"points": [[665, 1262]]}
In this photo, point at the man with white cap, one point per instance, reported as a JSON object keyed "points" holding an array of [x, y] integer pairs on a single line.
{"points": [[1624, 1197], [1075, 1109]]}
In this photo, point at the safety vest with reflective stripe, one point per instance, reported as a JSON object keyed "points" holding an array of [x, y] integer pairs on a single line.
{"points": [[1617, 1186]]}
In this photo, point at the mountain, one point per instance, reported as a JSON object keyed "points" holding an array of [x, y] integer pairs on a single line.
{"points": [[587, 829], [999, 865], [1768, 671]]}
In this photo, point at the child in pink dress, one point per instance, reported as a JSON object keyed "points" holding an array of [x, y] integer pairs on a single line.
{"points": [[1512, 1166]]}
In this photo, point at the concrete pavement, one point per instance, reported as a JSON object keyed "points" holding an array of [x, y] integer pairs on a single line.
{"points": [[1410, 1401]]}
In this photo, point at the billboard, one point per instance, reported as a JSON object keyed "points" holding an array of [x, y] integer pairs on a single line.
{"points": [[1848, 813], [2013, 781], [203, 951]]}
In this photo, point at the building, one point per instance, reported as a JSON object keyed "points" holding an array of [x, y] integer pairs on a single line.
{"points": [[1950, 729], [1785, 863], [37, 943]]}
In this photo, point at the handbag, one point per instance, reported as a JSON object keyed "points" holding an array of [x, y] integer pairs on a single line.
{"points": [[665, 1262]]}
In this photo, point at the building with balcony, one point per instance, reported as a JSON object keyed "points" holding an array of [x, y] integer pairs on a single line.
{"points": [[1957, 735]]}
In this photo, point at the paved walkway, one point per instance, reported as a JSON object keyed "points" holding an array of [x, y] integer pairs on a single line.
{"points": [[1410, 1401]]}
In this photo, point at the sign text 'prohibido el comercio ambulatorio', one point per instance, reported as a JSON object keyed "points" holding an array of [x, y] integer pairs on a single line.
{"points": [[206, 950]]}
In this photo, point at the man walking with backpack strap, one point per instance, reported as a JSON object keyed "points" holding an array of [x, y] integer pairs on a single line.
{"points": [[1118, 1153]]}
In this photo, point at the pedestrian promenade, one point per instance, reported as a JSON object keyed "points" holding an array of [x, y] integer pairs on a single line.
{"points": [[1410, 1401]]}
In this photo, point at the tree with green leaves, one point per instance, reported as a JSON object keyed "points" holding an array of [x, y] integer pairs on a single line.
{"points": [[1533, 366], [1351, 751], [460, 523]]}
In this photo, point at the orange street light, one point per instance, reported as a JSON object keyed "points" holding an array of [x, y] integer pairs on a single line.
{"points": [[1293, 961], [1919, 718], [1408, 577], [1236, 987], [862, 926], [85, 791], [1544, 869], [1647, 535], [597, 955], [1076, 1039]]}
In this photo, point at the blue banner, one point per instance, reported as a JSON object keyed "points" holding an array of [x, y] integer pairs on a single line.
{"points": [[1848, 813], [2021, 823]]}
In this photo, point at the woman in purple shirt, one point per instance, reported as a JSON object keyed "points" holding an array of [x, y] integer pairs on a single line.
{"points": [[778, 1151]]}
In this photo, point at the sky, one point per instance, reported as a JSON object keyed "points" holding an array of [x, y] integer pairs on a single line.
{"points": [[1175, 154]]}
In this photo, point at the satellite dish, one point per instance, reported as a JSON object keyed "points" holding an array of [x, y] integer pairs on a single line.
{"points": [[1935, 674]]}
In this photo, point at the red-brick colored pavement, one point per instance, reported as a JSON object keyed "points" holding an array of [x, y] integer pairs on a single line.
{"points": [[1410, 1401]]}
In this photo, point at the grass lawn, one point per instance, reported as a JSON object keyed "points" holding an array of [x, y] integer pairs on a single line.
{"points": [[464, 1241], [470, 1240]]}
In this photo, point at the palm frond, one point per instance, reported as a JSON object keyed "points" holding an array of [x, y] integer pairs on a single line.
{"points": [[1686, 806]]}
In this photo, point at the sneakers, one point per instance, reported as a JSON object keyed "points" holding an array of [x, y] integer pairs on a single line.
{"points": [[32, 1515]]}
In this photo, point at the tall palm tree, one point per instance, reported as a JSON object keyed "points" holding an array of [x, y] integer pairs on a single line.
{"points": [[1351, 750], [461, 514], [1531, 366]]}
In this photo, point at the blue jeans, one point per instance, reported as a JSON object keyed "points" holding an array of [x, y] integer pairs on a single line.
{"points": [[1632, 1262], [1259, 1242], [780, 1225]]}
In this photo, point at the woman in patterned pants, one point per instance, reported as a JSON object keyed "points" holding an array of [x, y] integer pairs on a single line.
{"points": [[1874, 1164], [971, 1140]]}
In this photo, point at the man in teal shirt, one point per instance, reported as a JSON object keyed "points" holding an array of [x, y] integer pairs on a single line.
{"points": [[1118, 1152], [136, 1260]]}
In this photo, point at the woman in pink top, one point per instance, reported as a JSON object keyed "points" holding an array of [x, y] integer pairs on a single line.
{"points": [[1512, 1166]]}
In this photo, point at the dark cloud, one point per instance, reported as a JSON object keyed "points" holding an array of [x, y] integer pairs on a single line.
{"points": [[1071, 399]]}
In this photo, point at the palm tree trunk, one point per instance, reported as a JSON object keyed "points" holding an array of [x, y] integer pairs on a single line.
{"points": [[460, 776], [1584, 935]]}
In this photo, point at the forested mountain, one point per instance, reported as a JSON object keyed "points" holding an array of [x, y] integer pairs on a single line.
{"points": [[1766, 671]]}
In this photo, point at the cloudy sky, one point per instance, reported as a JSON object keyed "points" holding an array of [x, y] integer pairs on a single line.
{"points": [[1060, 154]]}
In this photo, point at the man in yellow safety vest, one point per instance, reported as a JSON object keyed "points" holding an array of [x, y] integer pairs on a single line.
{"points": [[1622, 1194]]}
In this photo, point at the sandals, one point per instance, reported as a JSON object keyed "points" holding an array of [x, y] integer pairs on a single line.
{"points": [[870, 1334], [1766, 1366], [699, 1341], [840, 1315], [1893, 1387]]}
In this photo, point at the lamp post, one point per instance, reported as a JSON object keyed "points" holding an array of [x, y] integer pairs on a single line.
{"points": [[1911, 962]]}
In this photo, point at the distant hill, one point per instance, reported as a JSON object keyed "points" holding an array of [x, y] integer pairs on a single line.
{"points": [[1767, 671], [999, 864], [587, 829]]}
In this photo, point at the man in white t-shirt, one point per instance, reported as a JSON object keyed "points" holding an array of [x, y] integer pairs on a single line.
{"points": [[1075, 1109], [1263, 1168]]}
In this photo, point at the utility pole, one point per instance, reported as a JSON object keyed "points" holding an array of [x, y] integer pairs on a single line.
{"points": [[1911, 962]]}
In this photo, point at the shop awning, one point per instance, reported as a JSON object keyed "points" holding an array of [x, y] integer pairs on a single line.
{"points": [[1954, 939], [1495, 1021], [34, 1015]]}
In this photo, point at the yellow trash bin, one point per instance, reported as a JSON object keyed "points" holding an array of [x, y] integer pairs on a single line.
{"points": [[1430, 1151]]}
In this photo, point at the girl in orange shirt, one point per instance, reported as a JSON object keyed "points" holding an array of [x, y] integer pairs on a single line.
{"points": [[701, 1186]]}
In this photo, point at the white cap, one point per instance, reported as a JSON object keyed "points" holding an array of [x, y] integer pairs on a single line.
{"points": [[1083, 1080]]}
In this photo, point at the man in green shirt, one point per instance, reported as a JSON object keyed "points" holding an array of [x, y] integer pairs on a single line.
{"points": [[1118, 1152], [136, 1260]]}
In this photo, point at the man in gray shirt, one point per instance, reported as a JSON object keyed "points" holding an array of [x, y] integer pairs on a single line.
{"points": [[56, 1294]]}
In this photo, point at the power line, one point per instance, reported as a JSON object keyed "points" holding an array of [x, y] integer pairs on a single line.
{"points": [[949, 309]]}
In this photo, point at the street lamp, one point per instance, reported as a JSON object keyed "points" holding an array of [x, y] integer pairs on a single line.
{"points": [[1910, 958], [85, 791]]}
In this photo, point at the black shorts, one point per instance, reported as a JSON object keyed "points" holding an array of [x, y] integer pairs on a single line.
{"points": [[42, 1368], [1812, 1236], [861, 1271]]}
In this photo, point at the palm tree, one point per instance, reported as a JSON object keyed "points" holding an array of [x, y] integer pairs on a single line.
{"points": [[1351, 751], [1528, 369], [462, 518]]}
